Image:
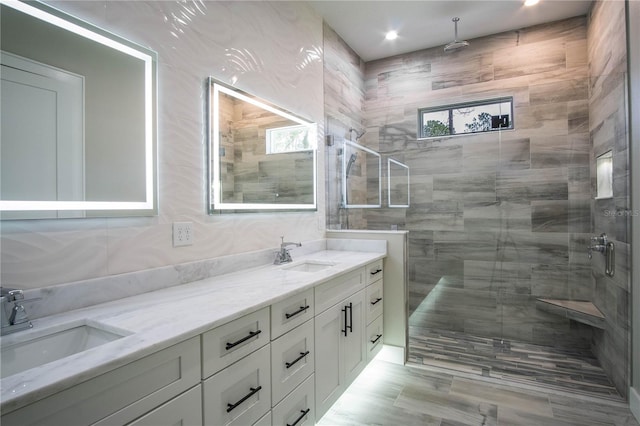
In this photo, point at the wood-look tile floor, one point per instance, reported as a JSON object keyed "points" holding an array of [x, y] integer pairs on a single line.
{"points": [[574, 370], [397, 395]]}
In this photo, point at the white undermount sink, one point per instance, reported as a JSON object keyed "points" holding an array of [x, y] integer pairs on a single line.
{"points": [[23, 355], [309, 266]]}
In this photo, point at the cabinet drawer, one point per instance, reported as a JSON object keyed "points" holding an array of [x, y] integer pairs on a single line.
{"points": [[121, 395], [298, 408], [226, 344], [374, 271], [264, 421], [374, 338], [291, 312], [185, 409], [338, 289], [292, 360], [374, 301], [241, 393]]}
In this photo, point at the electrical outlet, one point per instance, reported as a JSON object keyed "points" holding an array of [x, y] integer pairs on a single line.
{"points": [[182, 234]]}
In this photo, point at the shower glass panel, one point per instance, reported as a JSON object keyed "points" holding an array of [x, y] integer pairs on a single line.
{"points": [[361, 177]]}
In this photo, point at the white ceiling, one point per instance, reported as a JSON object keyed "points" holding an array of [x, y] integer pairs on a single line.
{"points": [[427, 23]]}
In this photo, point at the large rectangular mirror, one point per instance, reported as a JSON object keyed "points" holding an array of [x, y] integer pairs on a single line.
{"points": [[261, 157], [361, 177], [78, 118]]}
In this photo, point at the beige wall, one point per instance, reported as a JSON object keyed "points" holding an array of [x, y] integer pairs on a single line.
{"points": [[270, 49]]}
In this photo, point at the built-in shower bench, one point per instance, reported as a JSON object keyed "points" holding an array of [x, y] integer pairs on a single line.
{"points": [[584, 312]]}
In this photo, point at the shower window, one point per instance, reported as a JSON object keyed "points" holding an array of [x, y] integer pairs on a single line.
{"points": [[465, 118], [288, 139]]}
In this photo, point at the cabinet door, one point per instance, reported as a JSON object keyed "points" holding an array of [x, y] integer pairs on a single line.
{"points": [[353, 350], [328, 336], [185, 409]]}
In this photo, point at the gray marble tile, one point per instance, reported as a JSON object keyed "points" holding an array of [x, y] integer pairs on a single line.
{"points": [[550, 216], [550, 184]]}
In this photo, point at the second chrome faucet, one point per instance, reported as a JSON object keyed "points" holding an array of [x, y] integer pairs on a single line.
{"points": [[283, 255]]}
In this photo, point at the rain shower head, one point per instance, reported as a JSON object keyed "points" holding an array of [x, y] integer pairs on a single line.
{"points": [[456, 44]]}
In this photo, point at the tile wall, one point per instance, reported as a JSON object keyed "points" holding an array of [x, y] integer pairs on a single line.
{"points": [[500, 219], [270, 49], [609, 131]]}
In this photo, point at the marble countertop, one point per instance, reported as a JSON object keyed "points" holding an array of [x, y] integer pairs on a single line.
{"points": [[159, 319]]}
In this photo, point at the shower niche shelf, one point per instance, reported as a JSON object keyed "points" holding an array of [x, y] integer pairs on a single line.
{"points": [[584, 312]]}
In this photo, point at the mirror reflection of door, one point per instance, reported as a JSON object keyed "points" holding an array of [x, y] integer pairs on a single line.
{"points": [[42, 150]]}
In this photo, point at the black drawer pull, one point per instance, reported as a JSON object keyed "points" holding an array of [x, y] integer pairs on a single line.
{"points": [[244, 339], [375, 302], [378, 336], [377, 271], [304, 413], [244, 398], [292, 363], [299, 311]]}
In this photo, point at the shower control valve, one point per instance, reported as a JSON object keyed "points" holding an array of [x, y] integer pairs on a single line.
{"points": [[598, 243]]}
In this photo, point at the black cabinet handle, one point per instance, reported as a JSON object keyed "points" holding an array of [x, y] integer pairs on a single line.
{"points": [[345, 320], [292, 363], [350, 326], [244, 339], [376, 272], [378, 336], [299, 311], [244, 398], [375, 302], [304, 413]]}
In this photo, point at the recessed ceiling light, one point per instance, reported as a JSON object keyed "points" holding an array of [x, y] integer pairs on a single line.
{"points": [[530, 2], [391, 35]]}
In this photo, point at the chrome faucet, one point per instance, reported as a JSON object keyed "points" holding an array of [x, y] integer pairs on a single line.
{"points": [[13, 316], [283, 255]]}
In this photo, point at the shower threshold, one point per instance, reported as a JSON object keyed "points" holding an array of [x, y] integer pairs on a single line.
{"points": [[576, 371]]}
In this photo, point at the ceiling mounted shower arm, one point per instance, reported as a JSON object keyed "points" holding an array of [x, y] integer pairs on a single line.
{"points": [[455, 44]]}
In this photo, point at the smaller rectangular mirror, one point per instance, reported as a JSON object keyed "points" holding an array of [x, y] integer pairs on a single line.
{"points": [[361, 177], [604, 176], [261, 157], [398, 183]]}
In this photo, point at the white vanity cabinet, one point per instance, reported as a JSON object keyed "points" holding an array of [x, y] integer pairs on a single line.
{"points": [[121, 395], [339, 337], [283, 364]]}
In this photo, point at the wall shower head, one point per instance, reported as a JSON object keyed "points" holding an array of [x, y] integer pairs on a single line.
{"points": [[352, 160], [456, 44]]}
